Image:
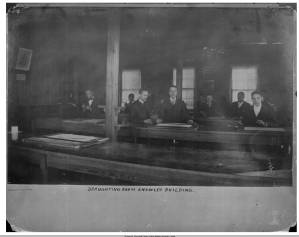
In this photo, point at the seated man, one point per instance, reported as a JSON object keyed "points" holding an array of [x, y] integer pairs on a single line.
{"points": [[259, 114], [208, 108], [240, 108], [173, 109], [89, 107], [140, 112], [129, 104]]}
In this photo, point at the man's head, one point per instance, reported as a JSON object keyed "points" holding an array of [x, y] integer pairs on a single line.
{"points": [[241, 96], [143, 94], [209, 99], [89, 94], [257, 98], [173, 92], [131, 97]]}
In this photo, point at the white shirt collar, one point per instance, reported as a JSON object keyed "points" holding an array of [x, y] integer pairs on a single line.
{"points": [[172, 100], [257, 109], [141, 101], [90, 101]]}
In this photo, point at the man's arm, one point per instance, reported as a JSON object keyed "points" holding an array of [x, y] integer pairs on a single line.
{"points": [[160, 112], [186, 116]]}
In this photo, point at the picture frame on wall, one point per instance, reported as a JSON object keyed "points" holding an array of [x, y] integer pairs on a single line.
{"points": [[24, 59]]}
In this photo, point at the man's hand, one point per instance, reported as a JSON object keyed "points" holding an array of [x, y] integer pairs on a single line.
{"points": [[148, 121], [159, 120], [262, 123], [190, 121]]}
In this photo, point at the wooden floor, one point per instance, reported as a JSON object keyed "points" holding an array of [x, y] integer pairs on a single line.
{"points": [[156, 165]]}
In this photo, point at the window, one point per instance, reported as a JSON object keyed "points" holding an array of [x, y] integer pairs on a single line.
{"points": [[131, 83], [187, 86], [244, 79]]}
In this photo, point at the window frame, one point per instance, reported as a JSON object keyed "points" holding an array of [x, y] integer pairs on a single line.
{"points": [[129, 89], [174, 82], [231, 80]]}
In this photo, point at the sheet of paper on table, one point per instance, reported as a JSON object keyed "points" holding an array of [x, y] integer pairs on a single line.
{"points": [[72, 137], [80, 120], [66, 141], [264, 129], [174, 125]]}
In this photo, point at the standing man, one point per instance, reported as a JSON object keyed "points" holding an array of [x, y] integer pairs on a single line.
{"points": [[140, 112], [240, 108], [259, 114], [173, 109]]}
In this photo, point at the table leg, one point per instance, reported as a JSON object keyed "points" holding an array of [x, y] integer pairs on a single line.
{"points": [[44, 169]]}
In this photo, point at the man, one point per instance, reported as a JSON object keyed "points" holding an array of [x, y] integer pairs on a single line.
{"points": [[173, 109], [259, 113], [129, 104], [140, 112], [240, 107], [208, 108], [89, 107]]}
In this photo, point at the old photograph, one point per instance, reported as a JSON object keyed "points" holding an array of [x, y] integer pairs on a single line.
{"points": [[152, 95]]}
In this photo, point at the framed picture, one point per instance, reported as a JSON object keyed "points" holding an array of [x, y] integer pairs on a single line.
{"points": [[24, 59]]}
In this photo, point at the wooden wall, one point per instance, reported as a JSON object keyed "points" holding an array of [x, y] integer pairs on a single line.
{"points": [[69, 50]]}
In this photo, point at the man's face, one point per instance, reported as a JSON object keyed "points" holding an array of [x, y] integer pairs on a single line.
{"points": [[89, 94], [173, 92], [131, 98], [240, 97], [257, 99], [209, 99], [144, 95]]}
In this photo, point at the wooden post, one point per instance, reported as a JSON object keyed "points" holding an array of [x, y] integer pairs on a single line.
{"points": [[179, 78], [112, 72]]}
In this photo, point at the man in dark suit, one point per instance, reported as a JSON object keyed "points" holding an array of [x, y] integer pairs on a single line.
{"points": [[209, 108], [259, 114], [140, 111], [173, 109], [89, 106], [129, 104], [240, 108]]}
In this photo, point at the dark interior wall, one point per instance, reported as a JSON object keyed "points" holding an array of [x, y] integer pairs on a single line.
{"points": [[156, 40], [69, 55], [69, 50]]}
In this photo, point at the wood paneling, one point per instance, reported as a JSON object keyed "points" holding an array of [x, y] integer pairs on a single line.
{"points": [[112, 72]]}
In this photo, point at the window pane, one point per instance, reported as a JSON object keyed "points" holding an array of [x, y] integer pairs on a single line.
{"points": [[131, 79], [188, 77], [244, 79], [174, 77], [131, 83], [188, 97]]}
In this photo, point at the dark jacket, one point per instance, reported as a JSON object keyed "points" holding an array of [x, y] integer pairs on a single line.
{"points": [[266, 114], [128, 107], [240, 112], [174, 113], [206, 111], [94, 112], [139, 112]]}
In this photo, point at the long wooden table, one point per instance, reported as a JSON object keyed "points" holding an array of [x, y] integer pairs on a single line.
{"points": [[156, 165], [253, 137], [236, 137], [202, 134], [79, 125]]}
